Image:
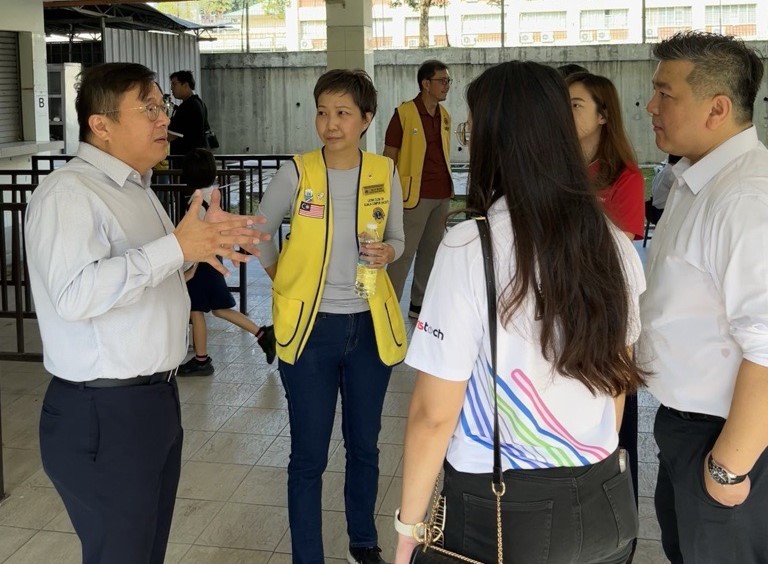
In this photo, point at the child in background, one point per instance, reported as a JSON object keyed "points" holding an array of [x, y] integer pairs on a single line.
{"points": [[208, 289]]}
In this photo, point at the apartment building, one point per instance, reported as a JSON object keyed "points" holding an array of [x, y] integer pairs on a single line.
{"points": [[478, 23]]}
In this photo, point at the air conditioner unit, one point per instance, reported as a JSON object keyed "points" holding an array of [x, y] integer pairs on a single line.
{"points": [[603, 35], [413, 43], [586, 36], [547, 37], [305, 44], [468, 40], [526, 37], [651, 32]]}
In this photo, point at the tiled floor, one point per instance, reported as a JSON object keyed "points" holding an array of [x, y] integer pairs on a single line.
{"points": [[231, 506]]}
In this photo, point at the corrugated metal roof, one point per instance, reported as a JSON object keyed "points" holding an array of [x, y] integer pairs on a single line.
{"points": [[87, 19]]}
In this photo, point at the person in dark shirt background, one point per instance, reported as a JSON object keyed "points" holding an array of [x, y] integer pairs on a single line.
{"points": [[187, 128]]}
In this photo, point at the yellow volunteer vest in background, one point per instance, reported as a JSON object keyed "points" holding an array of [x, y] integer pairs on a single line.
{"points": [[410, 159], [303, 263]]}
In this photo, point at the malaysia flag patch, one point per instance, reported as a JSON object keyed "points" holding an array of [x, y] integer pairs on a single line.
{"points": [[308, 209]]}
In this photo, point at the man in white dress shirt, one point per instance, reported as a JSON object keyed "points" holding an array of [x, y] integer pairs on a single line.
{"points": [[705, 312], [105, 267]]}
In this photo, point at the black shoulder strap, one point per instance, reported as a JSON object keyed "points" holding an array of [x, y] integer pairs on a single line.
{"points": [[490, 290]]}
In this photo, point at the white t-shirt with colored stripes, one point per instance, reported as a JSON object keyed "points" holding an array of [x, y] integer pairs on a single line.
{"points": [[546, 420]]}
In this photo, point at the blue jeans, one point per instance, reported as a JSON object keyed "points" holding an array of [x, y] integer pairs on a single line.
{"points": [[341, 355]]}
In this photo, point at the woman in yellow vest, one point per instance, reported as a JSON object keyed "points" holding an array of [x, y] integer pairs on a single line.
{"points": [[329, 340]]}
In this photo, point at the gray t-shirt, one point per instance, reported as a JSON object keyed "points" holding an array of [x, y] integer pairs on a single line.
{"points": [[339, 291]]}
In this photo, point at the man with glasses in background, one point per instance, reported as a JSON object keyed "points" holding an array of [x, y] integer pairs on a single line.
{"points": [[105, 268], [418, 139]]}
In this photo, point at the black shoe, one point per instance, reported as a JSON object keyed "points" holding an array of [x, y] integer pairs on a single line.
{"points": [[365, 555], [267, 342], [194, 367], [414, 311]]}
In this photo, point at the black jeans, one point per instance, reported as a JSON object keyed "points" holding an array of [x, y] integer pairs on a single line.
{"points": [[584, 514], [695, 529]]}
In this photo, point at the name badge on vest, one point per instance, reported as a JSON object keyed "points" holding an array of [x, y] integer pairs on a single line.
{"points": [[375, 189], [315, 211]]}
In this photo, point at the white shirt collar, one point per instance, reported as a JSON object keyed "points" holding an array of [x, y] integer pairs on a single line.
{"points": [[118, 171], [696, 176]]}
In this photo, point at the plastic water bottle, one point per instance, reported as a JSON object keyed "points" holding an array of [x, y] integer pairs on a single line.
{"points": [[365, 281]]}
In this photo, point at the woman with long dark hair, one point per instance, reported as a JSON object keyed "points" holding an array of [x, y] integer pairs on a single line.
{"points": [[568, 283], [608, 151]]}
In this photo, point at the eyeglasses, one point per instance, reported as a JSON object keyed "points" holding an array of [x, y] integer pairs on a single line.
{"points": [[152, 110], [443, 81], [462, 133]]}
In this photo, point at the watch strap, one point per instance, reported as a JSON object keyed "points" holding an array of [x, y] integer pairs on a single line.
{"points": [[415, 530]]}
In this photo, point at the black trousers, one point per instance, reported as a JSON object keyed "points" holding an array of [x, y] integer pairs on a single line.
{"points": [[585, 514], [628, 436], [695, 529], [114, 456]]}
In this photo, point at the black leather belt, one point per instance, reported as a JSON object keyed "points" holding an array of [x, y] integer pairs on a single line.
{"points": [[691, 416], [148, 380]]}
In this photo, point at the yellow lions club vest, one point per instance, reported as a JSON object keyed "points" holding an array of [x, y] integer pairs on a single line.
{"points": [[303, 263], [410, 159]]}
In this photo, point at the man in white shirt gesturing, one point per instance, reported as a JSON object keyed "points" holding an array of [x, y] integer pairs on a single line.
{"points": [[105, 267]]}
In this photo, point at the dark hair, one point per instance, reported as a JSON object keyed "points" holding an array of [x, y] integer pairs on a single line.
{"points": [[722, 64], [101, 88], [570, 68], [198, 169], [524, 148], [428, 70], [185, 77], [614, 151], [355, 82]]}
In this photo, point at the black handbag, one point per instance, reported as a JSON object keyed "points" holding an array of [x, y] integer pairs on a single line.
{"points": [[210, 137], [430, 551]]}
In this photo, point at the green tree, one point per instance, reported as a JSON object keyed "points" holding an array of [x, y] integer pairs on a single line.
{"points": [[271, 7], [423, 7], [215, 8]]}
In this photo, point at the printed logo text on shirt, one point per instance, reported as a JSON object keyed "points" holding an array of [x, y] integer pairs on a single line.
{"points": [[427, 328]]}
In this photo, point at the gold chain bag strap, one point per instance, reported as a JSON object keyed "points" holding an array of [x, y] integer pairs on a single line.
{"points": [[430, 550]]}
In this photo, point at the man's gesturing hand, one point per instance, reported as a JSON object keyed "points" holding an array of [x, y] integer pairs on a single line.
{"points": [[201, 241], [216, 214]]}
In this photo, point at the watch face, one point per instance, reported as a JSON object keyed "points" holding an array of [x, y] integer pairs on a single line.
{"points": [[721, 475]]}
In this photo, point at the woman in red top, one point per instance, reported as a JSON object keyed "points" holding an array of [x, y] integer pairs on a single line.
{"points": [[621, 186]]}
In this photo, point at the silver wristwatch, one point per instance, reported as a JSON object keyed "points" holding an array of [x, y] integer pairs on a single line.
{"points": [[722, 475]]}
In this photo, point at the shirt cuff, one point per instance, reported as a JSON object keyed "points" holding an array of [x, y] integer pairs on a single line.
{"points": [[164, 256]]}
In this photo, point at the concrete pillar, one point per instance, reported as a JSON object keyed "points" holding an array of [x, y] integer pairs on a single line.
{"points": [[350, 46]]}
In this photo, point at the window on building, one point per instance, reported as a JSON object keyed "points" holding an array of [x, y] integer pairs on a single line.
{"points": [[10, 101], [313, 29], [679, 16], [543, 21], [604, 19], [735, 19], [382, 30], [437, 31]]}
